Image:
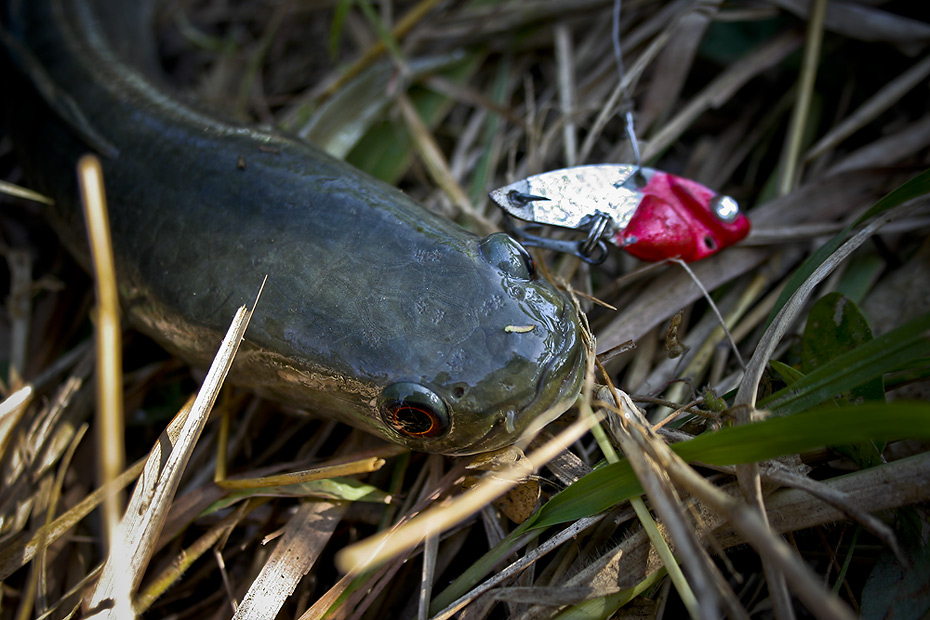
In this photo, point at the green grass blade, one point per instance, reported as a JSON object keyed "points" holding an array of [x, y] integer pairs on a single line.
{"points": [[918, 186], [899, 349], [340, 12], [386, 150], [810, 430], [606, 606], [344, 489], [479, 569], [771, 438], [778, 436], [480, 178]]}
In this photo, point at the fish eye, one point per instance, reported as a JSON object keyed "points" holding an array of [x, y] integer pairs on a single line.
{"points": [[503, 252], [413, 410], [725, 208]]}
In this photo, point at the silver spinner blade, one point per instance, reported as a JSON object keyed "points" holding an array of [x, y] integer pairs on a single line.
{"points": [[571, 196]]}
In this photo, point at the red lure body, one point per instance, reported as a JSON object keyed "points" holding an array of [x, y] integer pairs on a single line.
{"points": [[675, 220]]}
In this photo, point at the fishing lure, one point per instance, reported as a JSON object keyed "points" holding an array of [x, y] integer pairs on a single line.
{"points": [[651, 214]]}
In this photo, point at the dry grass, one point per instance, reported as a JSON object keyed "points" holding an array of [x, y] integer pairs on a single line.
{"points": [[449, 100]]}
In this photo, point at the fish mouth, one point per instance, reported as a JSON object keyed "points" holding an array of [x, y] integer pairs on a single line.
{"points": [[556, 391], [560, 382]]}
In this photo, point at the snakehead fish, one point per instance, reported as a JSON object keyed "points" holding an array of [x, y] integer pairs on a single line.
{"points": [[376, 312]]}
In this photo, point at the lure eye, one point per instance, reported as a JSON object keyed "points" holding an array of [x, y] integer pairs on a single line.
{"points": [[413, 410], [503, 252], [725, 208]]}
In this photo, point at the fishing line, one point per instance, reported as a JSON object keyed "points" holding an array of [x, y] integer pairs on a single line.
{"points": [[631, 135], [625, 96]]}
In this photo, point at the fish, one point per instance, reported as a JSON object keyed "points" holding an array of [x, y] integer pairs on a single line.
{"points": [[376, 312]]}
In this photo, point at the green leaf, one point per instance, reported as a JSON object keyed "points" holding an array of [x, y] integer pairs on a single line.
{"points": [[788, 374], [835, 327], [860, 275], [920, 371], [347, 489], [899, 349], [893, 591], [589, 495]]}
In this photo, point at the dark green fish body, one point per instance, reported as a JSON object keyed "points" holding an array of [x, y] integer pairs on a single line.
{"points": [[375, 312]]}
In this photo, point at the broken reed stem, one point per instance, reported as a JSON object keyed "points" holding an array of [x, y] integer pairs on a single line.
{"points": [[110, 430], [151, 499], [372, 551], [362, 466]]}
